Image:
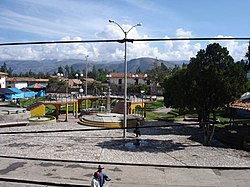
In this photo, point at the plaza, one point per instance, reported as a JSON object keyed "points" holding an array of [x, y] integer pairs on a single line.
{"points": [[68, 154]]}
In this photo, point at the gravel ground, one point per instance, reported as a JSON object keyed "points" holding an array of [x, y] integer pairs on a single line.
{"points": [[167, 146]]}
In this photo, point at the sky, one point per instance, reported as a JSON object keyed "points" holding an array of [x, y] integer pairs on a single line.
{"points": [[55, 20]]}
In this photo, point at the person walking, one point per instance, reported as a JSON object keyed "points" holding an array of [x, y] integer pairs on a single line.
{"points": [[137, 130], [102, 176], [95, 180]]}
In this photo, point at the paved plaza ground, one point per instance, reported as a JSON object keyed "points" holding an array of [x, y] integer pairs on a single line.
{"points": [[167, 156]]}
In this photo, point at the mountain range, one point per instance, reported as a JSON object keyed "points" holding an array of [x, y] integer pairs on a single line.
{"points": [[51, 66]]}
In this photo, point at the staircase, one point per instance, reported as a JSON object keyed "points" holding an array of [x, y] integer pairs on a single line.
{"points": [[33, 106], [86, 122]]}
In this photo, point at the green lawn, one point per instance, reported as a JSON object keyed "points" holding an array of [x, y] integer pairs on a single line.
{"points": [[29, 101]]}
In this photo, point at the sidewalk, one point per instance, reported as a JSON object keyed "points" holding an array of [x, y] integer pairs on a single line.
{"points": [[169, 156], [80, 174]]}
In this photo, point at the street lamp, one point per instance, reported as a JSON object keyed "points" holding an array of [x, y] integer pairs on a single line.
{"points": [[108, 76], [125, 72], [60, 75], [142, 104], [79, 77], [86, 76]]}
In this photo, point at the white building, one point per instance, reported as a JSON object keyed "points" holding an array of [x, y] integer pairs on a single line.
{"points": [[116, 82], [3, 79], [23, 82]]}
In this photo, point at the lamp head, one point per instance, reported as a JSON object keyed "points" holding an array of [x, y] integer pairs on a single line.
{"points": [[139, 24], [111, 21]]}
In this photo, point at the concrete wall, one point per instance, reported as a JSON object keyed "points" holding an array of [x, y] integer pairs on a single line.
{"points": [[3, 82], [15, 117]]}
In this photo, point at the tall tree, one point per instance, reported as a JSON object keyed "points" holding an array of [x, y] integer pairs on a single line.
{"points": [[72, 72], [211, 80], [30, 73], [176, 90], [4, 68], [158, 73], [60, 70], [93, 73], [10, 71], [56, 85], [67, 71], [138, 70], [248, 57]]}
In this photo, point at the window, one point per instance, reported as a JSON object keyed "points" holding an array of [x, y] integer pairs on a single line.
{"points": [[120, 81]]}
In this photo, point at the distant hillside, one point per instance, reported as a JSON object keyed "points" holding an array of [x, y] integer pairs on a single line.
{"points": [[51, 66]]}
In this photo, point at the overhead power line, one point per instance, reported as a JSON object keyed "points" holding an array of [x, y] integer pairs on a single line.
{"points": [[124, 40]]}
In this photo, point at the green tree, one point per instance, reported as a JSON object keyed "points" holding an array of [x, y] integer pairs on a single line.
{"points": [[72, 72], [158, 73], [248, 86], [40, 75], [211, 80], [4, 68], [94, 87], [176, 90], [138, 70], [60, 70], [248, 57], [30, 73], [67, 71], [10, 71], [101, 76], [136, 89], [56, 85]]}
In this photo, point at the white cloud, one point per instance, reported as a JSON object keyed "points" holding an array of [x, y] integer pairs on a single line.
{"points": [[169, 50], [180, 32], [236, 49]]}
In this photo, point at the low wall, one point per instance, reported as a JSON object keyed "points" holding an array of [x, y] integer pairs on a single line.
{"points": [[14, 116], [44, 120]]}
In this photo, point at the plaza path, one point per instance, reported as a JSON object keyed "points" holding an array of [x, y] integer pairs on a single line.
{"points": [[67, 155]]}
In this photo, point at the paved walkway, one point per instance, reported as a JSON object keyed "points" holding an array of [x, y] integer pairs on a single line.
{"points": [[169, 156], [79, 174]]}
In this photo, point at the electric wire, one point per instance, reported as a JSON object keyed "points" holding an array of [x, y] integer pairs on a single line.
{"points": [[124, 40]]}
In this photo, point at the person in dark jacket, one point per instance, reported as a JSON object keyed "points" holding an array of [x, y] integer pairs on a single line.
{"points": [[102, 176]]}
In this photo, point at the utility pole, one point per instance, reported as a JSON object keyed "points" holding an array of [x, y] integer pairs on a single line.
{"points": [[248, 67]]}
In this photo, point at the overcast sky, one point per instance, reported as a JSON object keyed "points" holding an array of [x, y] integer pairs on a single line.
{"points": [[53, 20]]}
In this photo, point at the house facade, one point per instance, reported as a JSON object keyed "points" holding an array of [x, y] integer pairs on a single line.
{"points": [[23, 82], [116, 82]]}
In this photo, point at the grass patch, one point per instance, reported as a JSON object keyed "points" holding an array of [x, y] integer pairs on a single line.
{"points": [[154, 105], [29, 101], [152, 116]]}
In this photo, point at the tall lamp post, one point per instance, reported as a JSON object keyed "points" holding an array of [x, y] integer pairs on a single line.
{"points": [[60, 75], [108, 93], [79, 77], [248, 68], [142, 104], [125, 72], [86, 75]]}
